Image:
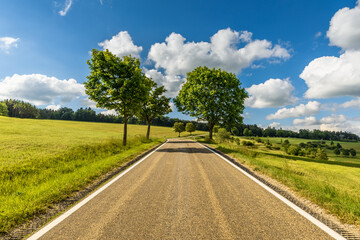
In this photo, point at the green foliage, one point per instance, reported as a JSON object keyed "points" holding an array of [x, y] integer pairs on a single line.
{"points": [[223, 135], [248, 143], [179, 127], [21, 109], [3, 109], [190, 127], [156, 105], [352, 152], [321, 155], [293, 150], [345, 152], [117, 84], [258, 140], [216, 128], [337, 151], [235, 131], [246, 132], [212, 95]]}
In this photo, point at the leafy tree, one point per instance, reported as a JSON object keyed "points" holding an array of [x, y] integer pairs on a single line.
{"points": [[352, 152], [117, 84], [157, 105], [293, 150], [235, 131], [190, 127], [212, 95], [321, 154], [179, 127], [246, 132], [223, 134], [345, 152], [337, 151], [3, 109]]}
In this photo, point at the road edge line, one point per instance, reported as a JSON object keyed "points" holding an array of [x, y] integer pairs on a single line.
{"points": [[77, 206], [306, 215]]}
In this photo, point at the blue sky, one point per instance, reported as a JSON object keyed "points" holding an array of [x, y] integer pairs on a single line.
{"points": [[298, 60]]}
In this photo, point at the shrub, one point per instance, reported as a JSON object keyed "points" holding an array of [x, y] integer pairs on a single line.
{"points": [[248, 143], [293, 150], [337, 151], [321, 154], [257, 139], [345, 152], [352, 152], [235, 131], [223, 135]]}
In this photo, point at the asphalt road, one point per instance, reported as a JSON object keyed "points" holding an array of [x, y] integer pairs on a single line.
{"points": [[183, 191]]}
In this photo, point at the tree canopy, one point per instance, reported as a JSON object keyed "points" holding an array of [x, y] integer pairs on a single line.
{"points": [[212, 95], [179, 127], [117, 83]]}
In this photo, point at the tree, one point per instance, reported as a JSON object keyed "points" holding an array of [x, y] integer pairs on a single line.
{"points": [[117, 83], [246, 132], [337, 151], [212, 95], [223, 135], [179, 127], [352, 152], [235, 131], [157, 105], [190, 127], [3, 109]]}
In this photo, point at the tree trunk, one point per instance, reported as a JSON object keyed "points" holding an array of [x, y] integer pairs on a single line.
{"points": [[211, 127], [125, 130], [148, 130]]}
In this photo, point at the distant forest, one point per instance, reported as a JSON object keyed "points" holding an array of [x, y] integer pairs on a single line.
{"points": [[21, 109]]}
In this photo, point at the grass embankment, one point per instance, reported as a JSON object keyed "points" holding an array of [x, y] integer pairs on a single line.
{"points": [[44, 161], [333, 184]]}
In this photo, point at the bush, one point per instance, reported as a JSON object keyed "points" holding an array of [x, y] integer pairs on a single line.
{"points": [[345, 152], [337, 151], [321, 154], [352, 152], [248, 143], [235, 131], [293, 150], [223, 135], [257, 139]]}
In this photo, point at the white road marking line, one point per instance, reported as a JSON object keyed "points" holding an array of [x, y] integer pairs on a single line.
{"points": [[66, 214], [321, 225]]}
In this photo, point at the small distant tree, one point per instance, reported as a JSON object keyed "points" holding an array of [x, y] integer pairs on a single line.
{"points": [[3, 109], [293, 150], [345, 152], [321, 154], [337, 151], [179, 127], [157, 105], [190, 127], [235, 131], [246, 132], [352, 152], [117, 83]]}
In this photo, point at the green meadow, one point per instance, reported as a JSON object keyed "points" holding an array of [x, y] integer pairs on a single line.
{"points": [[45, 161], [333, 184]]}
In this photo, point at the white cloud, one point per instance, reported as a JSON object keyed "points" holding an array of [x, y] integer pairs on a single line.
{"points": [[334, 118], [355, 103], [344, 30], [272, 93], [310, 108], [274, 125], [121, 45], [171, 83], [67, 6], [318, 34], [88, 103], [308, 121], [40, 89], [328, 77], [110, 112], [53, 107], [172, 106], [178, 57], [6, 43]]}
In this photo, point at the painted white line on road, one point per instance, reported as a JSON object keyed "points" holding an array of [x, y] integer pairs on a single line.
{"points": [[66, 214], [321, 225]]}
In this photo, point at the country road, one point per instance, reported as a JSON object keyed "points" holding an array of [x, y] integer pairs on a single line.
{"points": [[184, 191]]}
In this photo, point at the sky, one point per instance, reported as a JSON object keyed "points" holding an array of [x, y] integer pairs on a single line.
{"points": [[299, 61]]}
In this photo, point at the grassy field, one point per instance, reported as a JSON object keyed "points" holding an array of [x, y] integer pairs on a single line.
{"points": [[333, 184], [44, 161]]}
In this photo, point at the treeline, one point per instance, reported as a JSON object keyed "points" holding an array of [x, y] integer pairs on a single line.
{"points": [[254, 130], [21, 109]]}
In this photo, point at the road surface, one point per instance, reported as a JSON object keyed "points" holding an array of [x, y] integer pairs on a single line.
{"points": [[183, 191]]}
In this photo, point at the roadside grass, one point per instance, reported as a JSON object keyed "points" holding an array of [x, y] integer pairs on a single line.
{"points": [[332, 184], [45, 161]]}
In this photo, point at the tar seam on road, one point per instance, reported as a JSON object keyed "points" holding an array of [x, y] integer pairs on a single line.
{"points": [[319, 224], [66, 214]]}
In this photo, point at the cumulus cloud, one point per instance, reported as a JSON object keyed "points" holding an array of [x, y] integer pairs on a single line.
{"points": [[274, 125], [121, 45], [110, 112], [328, 77], [344, 30], [6, 43], [330, 123], [272, 93], [87, 102], [308, 121], [53, 107], [40, 89], [67, 6], [310, 108], [171, 83], [178, 57], [355, 103]]}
